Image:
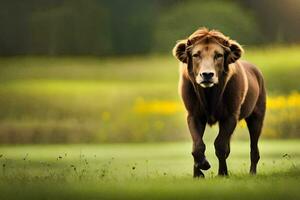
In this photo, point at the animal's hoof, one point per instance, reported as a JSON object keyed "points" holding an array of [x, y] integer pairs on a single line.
{"points": [[198, 173], [204, 165], [223, 174], [253, 170]]}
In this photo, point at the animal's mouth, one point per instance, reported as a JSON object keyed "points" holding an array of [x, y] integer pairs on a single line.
{"points": [[207, 84]]}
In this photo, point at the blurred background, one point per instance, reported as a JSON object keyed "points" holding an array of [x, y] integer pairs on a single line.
{"points": [[95, 71]]}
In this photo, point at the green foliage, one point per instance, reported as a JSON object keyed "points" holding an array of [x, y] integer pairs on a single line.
{"points": [[70, 28], [278, 21], [96, 27], [116, 27], [183, 19], [145, 171]]}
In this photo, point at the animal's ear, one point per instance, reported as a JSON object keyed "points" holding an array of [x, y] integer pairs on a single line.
{"points": [[235, 51], [179, 51]]}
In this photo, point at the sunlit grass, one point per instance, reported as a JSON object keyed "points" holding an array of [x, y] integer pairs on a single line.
{"points": [[88, 99], [148, 171]]}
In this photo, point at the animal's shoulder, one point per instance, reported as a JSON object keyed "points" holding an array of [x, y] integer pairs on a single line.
{"points": [[251, 69]]}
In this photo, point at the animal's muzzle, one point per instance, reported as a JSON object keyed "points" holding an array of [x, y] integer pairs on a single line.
{"points": [[207, 76]]}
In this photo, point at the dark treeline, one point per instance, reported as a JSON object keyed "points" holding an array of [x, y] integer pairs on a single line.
{"points": [[119, 27]]}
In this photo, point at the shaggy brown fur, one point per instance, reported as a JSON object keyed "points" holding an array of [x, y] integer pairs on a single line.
{"points": [[216, 87]]}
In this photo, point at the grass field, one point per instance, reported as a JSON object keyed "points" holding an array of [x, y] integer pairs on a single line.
{"points": [[93, 100], [145, 171], [88, 99]]}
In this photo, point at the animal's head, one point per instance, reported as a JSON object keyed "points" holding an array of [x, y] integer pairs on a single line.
{"points": [[207, 54]]}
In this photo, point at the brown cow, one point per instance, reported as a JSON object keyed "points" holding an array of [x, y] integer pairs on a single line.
{"points": [[216, 87]]}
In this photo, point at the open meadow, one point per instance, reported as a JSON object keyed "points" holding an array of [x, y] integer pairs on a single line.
{"points": [[92, 102], [145, 171], [88, 99]]}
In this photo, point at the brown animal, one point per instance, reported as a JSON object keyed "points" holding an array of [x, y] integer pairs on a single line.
{"points": [[217, 87]]}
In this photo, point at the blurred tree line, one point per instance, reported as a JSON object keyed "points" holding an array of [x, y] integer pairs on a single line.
{"points": [[118, 27]]}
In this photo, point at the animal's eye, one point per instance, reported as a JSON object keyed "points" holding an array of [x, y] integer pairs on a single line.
{"points": [[196, 55], [218, 55]]}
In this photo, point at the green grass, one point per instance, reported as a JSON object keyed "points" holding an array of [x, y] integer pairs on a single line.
{"points": [[145, 171], [88, 99], [279, 64]]}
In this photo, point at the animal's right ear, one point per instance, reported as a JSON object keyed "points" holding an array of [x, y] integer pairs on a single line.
{"points": [[179, 51]]}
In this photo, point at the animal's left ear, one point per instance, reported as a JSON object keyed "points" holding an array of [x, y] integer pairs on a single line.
{"points": [[235, 53]]}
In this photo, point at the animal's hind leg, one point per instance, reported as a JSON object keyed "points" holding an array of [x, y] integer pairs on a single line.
{"points": [[254, 123]]}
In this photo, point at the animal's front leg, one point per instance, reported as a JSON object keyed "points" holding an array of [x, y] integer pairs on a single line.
{"points": [[222, 143], [197, 127]]}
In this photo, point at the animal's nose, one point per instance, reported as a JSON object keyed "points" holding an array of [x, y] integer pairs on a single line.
{"points": [[207, 75]]}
